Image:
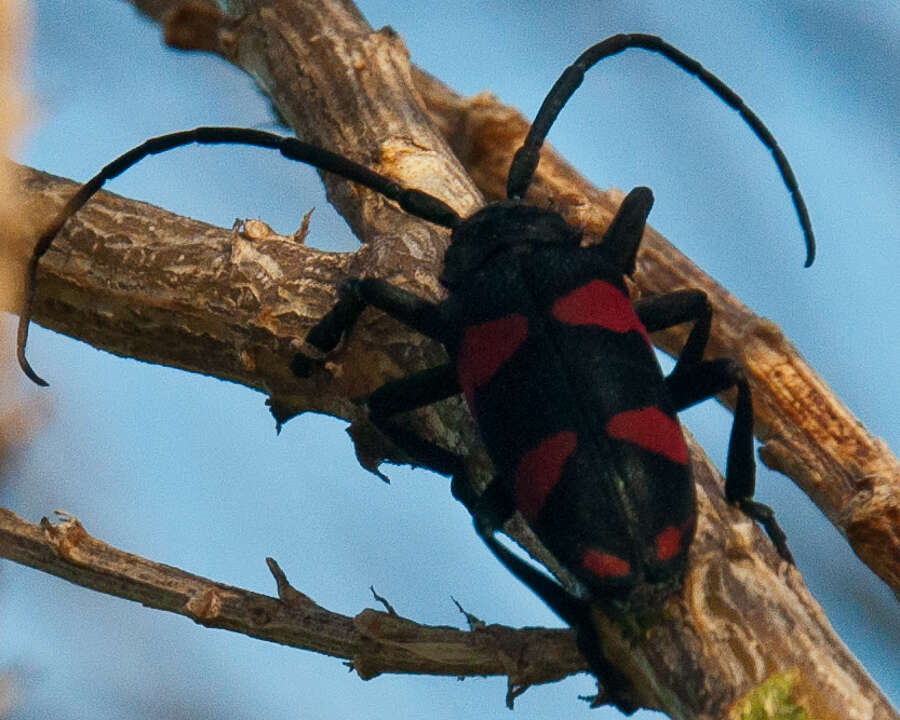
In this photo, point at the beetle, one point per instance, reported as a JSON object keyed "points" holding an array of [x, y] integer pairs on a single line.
{"points": [[556, 366], [554, 362]]}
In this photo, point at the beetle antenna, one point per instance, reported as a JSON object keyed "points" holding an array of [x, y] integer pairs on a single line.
{"points": [[413, 201], [526, 158]]}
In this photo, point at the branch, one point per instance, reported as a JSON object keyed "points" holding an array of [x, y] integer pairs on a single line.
{"points": [[743, 620], [374, 642]]}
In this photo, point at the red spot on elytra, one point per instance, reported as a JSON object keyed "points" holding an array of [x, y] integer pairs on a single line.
{"points": [[539, 470], [604, 564], [599, 303], [668, 543], [484, 348], [652, 429]]}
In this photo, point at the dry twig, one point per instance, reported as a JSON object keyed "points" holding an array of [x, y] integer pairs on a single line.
{"points": [[373, 642]]}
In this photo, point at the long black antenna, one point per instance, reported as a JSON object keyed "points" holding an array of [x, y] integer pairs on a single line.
{"points": [[413, 201], [527, 156]]}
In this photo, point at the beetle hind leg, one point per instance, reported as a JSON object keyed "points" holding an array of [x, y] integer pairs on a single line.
{"points": [[574, 611]]}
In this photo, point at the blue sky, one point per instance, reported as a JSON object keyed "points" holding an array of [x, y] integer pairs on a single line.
{"points": [[188, 470]]}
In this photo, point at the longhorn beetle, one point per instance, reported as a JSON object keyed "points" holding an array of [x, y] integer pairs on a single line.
{"points": [[554, 362]]}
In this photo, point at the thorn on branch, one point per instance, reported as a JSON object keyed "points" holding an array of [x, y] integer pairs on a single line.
{"points": [[281, 413], [287, 593], [301, 232], [513, 690], [475, 623], [384, 602], [370, 447]]}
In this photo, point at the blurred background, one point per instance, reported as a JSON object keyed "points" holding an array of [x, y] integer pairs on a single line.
{"points": [[188, 470]]}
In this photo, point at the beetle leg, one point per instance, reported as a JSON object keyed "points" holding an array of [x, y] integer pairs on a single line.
{"points": [[488, 510], [693, 380], [574, 611], [356, 293], [664, 311], [409, 393], [413, 391], [688, 386]]}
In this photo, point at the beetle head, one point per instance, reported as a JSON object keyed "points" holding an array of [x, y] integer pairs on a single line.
{"points": [[502, 226]]}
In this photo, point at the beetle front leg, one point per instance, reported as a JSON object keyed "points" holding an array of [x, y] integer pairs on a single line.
{"points": [[356, 293], [665, 311]]}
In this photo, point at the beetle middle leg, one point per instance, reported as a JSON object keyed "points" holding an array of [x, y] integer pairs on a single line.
{"points": [[492, 507], [404, 394], [415, 391], [694, 380]]}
